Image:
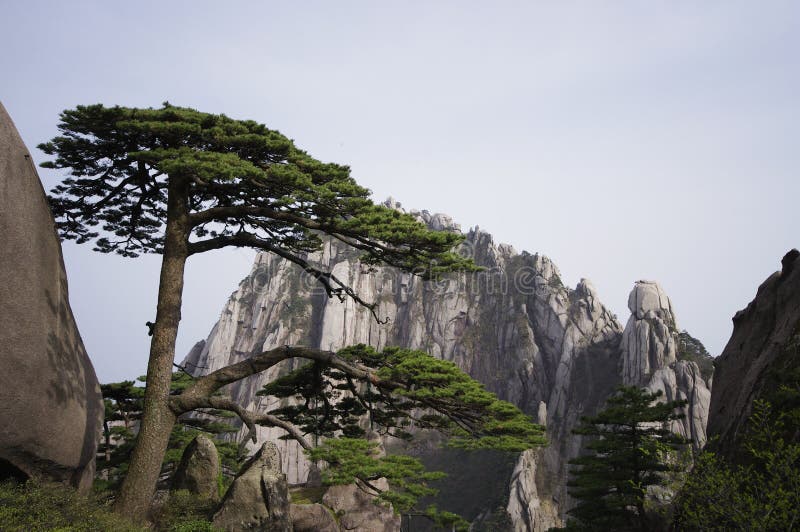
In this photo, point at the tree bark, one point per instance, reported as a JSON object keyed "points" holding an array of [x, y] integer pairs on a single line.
{"points": [[139, 486]]}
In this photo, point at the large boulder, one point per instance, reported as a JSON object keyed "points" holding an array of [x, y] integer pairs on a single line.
{"points": [[313, 518], [765, 341], [258, 499], [199, 469], [51, 409], [358, 509]]}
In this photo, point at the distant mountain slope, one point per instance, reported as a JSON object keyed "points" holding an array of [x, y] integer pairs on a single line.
{"points": [[555, 352]]}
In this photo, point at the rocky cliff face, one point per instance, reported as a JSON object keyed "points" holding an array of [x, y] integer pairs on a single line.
{"points": [[765, 341], [555, 352], [51, 410]]}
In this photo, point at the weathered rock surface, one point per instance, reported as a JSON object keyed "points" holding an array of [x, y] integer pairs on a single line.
{"points": [[51, 409], [765, 338], [199, 469], [555, 352], [258, 499], [649, 342], [358, 510], [650, 351], [313, 518], [527, 510]]}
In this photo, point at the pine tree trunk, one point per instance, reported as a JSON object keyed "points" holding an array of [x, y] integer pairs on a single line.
{"points": [[139, 486], [107, 454]]}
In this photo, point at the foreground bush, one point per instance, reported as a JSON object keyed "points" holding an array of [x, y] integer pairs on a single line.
{"points": [[37, 506], [185, 512], [760, 493]]}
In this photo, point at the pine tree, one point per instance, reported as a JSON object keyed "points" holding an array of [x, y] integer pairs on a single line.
{"points": [[628, 451], [179, 182], [123, 406]]}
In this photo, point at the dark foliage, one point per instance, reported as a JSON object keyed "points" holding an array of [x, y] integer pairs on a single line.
{"points": [[629, 450]]}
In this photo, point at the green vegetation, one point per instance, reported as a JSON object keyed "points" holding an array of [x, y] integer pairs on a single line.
{"points": [[123, 404], [355, 462], [418, 389], [185, 512], [629, 451], [37, 507], [692, 349], [756, 485], [329, 401], [761, 494]]}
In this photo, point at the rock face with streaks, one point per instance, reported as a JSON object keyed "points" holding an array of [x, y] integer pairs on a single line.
{"points": [[51, 410], [765, 340], [555, 352], [527, 510], [651, 359]]}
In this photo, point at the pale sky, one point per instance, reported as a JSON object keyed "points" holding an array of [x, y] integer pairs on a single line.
{"points": [[625, 140]]}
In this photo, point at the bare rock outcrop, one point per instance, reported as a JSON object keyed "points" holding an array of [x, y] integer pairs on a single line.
{"points": [[51, 409], [313, 518], [258, 499], [650, 359], [649, 342], [765, 339], [199, 469], [527, 510], [358, 510]]}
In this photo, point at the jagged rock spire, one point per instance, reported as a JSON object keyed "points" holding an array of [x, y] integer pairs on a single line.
{"points": [[650, 359], [650, 341]]}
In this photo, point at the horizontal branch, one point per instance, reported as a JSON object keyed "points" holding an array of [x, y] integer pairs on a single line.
{"points": [[351, 238], [215, 214], [205, 386], [181, 405]]}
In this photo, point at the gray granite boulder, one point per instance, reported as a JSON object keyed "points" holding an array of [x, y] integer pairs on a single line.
{"points": [[358, 510], [258, 499], [51, 409], [313, 518], [199, 469]]}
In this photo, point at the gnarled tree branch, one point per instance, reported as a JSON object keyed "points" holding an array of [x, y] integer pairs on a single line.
{"points": [[182, 404], [205, 386]]}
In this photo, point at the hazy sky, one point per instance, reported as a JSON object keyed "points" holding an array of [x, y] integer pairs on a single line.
{"points": [[625, 140]]}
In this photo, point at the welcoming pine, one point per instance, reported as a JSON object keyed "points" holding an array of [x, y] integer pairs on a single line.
{"points": [[179, 182]]}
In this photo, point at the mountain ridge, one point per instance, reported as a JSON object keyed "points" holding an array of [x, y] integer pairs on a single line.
{"points": [[555, 352]]}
